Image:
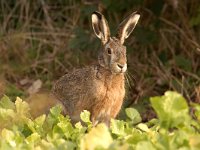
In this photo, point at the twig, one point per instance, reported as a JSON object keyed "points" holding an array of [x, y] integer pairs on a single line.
{"points": [[181, 31]]}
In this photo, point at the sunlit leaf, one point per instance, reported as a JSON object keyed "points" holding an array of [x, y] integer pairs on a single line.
{"points": [[143, 127], [55, 111], [99, 136], [9, 136], [172, 109], [22, 107], [85, 116], [133, 114], [52, 117], [35, 137], [40, 120], [145, 145], [66, 126], [5, 102], [6, 114], [195, 141], [117, 127]]}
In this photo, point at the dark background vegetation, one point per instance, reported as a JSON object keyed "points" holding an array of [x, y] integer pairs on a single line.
{"points": [[40, 40]]}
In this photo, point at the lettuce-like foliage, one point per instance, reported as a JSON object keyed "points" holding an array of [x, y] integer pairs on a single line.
{"points": [[172, 110], [173, 128]]}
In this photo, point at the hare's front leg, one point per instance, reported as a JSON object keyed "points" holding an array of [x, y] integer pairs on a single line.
{"points": [[105, 120], [116, 108], [100, 116]]}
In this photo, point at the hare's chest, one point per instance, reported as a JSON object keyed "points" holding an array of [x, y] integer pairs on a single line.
{"points": [[110, 91], [111, 98], [115, 92]]}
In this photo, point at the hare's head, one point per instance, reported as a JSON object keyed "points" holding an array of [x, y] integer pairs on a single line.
{"points": [[113, 54]]}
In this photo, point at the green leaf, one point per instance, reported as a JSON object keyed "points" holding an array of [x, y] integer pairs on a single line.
{"points": [[6, 114], [173, 129], [40, 120], [145, 145], [143, 127], [79, 130], [134, 115], [172, 109], [136, 137], [52, 117], [99, 136], [194, 141], [85, 116], [9, 136], [78, 125], [34, 137], [6, 103], [55, 111], [65, 125], [30, 124], [22, 108], [6, 117], [39, 124], [117, 127]]}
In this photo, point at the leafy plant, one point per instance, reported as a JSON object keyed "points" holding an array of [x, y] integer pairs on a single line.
{"points": [[173, 129], [172, 110]]}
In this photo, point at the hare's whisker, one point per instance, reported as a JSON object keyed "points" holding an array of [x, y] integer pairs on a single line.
{"points": [[127, 80], [131, 78]]}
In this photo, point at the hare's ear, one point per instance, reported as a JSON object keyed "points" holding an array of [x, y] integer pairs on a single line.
{"points": [[126, 27], [100, 27]]}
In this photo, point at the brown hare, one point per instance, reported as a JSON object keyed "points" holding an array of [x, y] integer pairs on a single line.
{"points": [[99, 88]]}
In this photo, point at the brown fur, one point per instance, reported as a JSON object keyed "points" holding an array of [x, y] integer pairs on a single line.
{"points": [[93, 89], [99, 88]]}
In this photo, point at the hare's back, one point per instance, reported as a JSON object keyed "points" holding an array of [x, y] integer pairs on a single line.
{"points": [[76, 85]]}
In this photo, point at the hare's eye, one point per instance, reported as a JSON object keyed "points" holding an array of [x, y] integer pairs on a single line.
{"points": [[109, 51]]}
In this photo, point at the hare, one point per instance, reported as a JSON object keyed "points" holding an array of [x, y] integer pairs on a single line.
{"points": [[100, 88]]}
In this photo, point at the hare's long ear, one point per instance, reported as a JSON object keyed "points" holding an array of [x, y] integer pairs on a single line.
{"points": [[126, 27], [100, 26]]}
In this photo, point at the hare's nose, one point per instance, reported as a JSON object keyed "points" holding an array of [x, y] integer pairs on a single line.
{"points": [[120, 66]]}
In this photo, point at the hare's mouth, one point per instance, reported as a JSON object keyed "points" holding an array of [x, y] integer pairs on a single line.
{"points": [[118, 68]]}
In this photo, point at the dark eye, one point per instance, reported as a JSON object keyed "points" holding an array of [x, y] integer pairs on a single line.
{"points": [[109, 51]]}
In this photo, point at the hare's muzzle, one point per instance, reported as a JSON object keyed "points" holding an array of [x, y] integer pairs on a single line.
{"points": [[121, 68]]}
